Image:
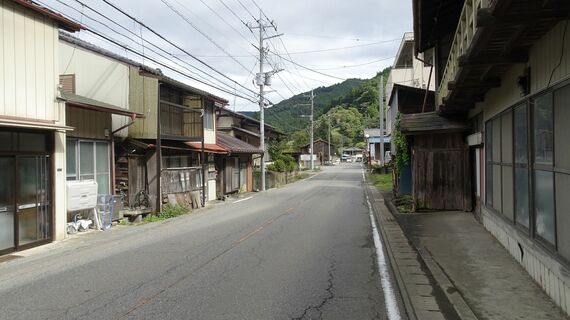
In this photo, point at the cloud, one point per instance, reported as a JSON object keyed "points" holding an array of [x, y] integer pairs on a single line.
{"points": [[307, 26]]}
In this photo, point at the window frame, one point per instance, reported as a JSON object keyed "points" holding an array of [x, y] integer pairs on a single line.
{"points": [[532, 167], [77, 176]]}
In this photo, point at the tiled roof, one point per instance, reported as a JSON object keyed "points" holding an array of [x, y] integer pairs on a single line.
{"points": [[235, 145]]}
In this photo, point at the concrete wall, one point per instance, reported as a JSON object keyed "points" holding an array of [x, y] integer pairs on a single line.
{"points": [[28, 64], [97, 77]]}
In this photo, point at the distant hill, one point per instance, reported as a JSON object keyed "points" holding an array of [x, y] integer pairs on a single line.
{"points": [[251, 114], [359, 93], [286, 115]]}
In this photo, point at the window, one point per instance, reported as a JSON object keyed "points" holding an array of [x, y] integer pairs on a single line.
{"points": [[543, 129], [71, 159], [521, 165], [533, 167], [544, 205], [489, 164], [89, 160], [208, 117]]}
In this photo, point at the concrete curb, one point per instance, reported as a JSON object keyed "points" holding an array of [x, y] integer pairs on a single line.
{"points": [[451, 292], [394, 267]]}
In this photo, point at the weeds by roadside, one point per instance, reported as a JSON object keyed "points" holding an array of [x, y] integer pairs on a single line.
{"points": [[382, 181], [168, 211]]}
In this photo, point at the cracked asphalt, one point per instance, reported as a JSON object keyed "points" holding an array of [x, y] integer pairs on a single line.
{"points": [[304, 251]]}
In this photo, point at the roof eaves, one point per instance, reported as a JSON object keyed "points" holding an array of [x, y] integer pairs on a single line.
{"points": [[64, 23]]}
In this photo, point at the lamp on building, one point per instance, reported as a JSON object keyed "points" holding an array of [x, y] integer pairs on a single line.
{"points": [[523, 82]]}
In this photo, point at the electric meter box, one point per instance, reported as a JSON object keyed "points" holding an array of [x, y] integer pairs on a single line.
{"points": [[81, 195]]}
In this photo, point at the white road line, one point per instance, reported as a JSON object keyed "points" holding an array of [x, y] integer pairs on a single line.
{"points": [[385, 280], [244, 199]]}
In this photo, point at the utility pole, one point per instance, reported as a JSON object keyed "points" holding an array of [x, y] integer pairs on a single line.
{"points": [[381, 109], [329, 142], [262, 79], [312, 131]]}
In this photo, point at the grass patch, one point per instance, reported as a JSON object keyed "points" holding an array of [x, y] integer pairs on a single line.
{"points": [[404, 203], [382, 181], [168, 211], [303, 175]]}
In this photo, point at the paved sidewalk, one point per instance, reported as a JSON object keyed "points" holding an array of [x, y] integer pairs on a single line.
{"points": [[422, 297], [492, 283]]}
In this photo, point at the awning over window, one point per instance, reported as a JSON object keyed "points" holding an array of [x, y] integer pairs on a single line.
{"points": [[235, 145], [87, 103], [208, 147], [33, 124]]}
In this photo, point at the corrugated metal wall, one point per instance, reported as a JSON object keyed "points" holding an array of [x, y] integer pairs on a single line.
{"points": [[28, 72]]}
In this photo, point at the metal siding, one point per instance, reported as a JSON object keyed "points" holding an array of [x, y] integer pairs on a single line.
{"points": [[143, 103], [88, 123], [97, 77], [545, 56], [2, 62], [20, 62], [28, 57]]}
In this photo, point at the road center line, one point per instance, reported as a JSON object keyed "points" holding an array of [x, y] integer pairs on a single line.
{"points": [[387, 286]]}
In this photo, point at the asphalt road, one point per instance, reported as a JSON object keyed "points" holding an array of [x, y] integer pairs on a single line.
{"points": [[304, 251]]}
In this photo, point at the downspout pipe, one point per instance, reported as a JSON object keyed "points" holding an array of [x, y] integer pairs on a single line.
{"points": [[429, 80]]}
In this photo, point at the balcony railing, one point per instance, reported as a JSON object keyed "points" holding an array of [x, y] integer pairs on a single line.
{"points": [[466, 29], [180, 121], [180, 180]]}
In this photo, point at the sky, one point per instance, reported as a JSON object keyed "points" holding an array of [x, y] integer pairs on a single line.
{"points": [[335, 39]]}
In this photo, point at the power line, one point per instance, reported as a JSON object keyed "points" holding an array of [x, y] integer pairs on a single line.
{"points": [[246, 9], [154, 60], [235, 14], [175, 45], [345, 48], [144, 41], [307, 68], [181, 15], [224, 20], [357, 65]]}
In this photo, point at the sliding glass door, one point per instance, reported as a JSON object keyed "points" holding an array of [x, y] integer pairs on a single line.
{"points": [[7, 201], [25, 201]]}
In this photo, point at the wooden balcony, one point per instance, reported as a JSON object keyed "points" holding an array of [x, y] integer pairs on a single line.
{"points": [[491, 36], [178, 122]]}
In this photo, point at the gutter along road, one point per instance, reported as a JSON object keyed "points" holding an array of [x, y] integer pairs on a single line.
{"points": [[305, 251]]}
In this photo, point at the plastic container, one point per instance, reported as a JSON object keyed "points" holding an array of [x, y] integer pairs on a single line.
{"points": [[105, 206]]}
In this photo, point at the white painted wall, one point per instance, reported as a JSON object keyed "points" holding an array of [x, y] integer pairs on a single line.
{"points": [[544, 56], [97, 77], [28, 64], [416, 76], [209, 136]]}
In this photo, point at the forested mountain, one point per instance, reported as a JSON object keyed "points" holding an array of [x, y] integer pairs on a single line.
{"points": [[351, 106], [286, 115], [358, 93]]}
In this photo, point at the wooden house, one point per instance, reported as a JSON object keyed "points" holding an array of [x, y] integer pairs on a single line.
{"points": [[235, 169], [97, 106], [321, 152], [246, 129], [32, 126], [503, 67]]}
